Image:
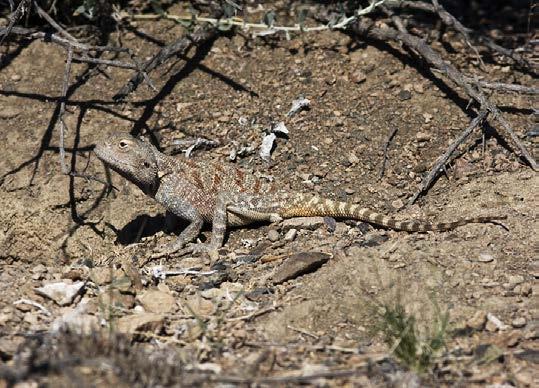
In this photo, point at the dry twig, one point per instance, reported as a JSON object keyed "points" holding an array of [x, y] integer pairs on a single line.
{"points": [[446, 157]]}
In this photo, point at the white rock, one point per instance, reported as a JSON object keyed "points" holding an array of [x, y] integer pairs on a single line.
{"points": [[62, 293]]}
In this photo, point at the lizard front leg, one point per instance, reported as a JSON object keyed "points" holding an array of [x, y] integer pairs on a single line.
{"points": [[185, 210]]}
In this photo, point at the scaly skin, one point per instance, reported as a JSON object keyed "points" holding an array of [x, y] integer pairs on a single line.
{"points": [[202, 192]]}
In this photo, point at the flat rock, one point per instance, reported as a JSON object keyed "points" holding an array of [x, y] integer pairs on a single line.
{"points": [[77, 320], [62, 293], [303, 223], [9, 112], [299, 264], [157, 301], [199, 306], [140, 323], [477, 321]]}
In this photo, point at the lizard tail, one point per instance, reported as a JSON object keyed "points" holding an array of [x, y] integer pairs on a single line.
{"points": [[311, 206]]}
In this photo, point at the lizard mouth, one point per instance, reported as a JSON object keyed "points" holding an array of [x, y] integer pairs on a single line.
{"points": [[109, 159]]}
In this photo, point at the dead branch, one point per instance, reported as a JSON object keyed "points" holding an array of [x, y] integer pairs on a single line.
{"points": [[366, 27], [468, 34], [179, 47], [386, 146], [14, 17], [447, 156], [63, 126]]}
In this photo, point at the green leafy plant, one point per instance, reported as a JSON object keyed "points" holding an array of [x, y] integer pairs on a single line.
{"points": [[401, 333]]}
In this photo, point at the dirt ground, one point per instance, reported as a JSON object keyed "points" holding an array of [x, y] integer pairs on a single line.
{"points": [[236, 318]]}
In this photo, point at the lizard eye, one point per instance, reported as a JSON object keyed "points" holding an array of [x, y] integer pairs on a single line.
{"points": [[122, 144]]}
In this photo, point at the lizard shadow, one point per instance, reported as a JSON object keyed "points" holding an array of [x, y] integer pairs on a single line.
{"points": [[145, 225]]}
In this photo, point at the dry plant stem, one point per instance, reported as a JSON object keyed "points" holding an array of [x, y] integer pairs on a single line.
{"points": [[366, 27], [450, 21], [14, 17], [61, 121], [179, 47], [239, 22], [53, 23], [446, 157], [386, 146]]}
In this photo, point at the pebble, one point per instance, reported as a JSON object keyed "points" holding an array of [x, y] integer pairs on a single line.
{"points": [[142, 322], [62, 293], [291, 235], [397, 204], [515, 279], [485, 258], [299, 264], [423, 136], [9, 112], [16, 77], [199, 306], [404, 95], [156, 301], [518, 322], [358, 76], [273, 235], [477, 321]]}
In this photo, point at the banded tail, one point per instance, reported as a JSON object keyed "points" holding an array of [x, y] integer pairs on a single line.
{"points": [[302, 205]]}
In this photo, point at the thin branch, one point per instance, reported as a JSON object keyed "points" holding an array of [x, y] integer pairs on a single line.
{"points": [[239, 22], [14, 17], [450, 20], [367, 28], [63, 126], [386, 146], [179, 47], [447, 156], [53, 23]]}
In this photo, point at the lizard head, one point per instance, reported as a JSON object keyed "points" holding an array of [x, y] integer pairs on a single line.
{"points": [[132, 158]]}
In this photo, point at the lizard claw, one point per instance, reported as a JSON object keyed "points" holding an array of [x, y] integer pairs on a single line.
{"points": [[212, 252]]}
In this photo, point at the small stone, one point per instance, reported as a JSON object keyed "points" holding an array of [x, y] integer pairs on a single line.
{"points": [[477, 321], [358, 76], [77, 320], [485, 258], [40, 268], [353, 159], [404, 95], [290, 235], [534, 269], [9, 112], [199, 306], [397, 204], [518, 322], [273, 235], [496, 322], [140, 323], [299, 264], [303, 223], [418, 88], [16, 77], [515, 279], [156, 301], [61, 293], [423, 136], [349, 190]]}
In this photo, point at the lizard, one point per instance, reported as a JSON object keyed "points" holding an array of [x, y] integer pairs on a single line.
{"points": [[209, 192]]}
